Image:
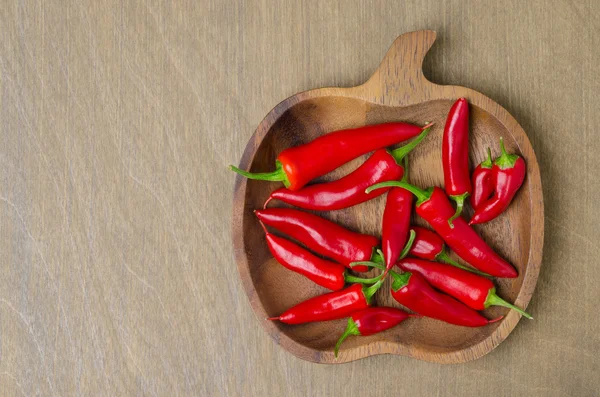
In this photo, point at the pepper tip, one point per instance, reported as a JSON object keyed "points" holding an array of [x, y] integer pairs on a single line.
{"points": [[266, 202], [264, 227]]}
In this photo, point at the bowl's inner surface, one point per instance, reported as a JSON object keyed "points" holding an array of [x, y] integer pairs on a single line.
{"points": [[279, 289]]}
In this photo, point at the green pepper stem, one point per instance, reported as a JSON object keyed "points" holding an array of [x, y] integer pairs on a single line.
{"points": [[411, 239], [370, 291], [278, 175], [505, 160], [405, 175], [487, 163], [444, 257], [421, 194], [460, 202], [353, 279], [495, 300], [351, 329], [369, 264], [401, 152], [377, 257], [400, 280]]}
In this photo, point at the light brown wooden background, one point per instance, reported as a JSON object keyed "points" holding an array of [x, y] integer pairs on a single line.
{"points": [[117, 121]]}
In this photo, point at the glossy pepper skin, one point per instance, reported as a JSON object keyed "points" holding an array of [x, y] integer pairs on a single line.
{"points": [[481, 180], [412, 291], [474, 291], [321, 236], [434, 206], [428, 245], [330, 306], [348, 191], [322, 272], [508, 174], [395, 224], [371, 321], [298, 165], [455, 155]]}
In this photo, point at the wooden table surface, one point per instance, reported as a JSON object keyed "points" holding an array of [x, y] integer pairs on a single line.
{"points": [[117, 122]]}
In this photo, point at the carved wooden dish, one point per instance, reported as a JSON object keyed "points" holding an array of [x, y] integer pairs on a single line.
{"points": [[397, 91]]}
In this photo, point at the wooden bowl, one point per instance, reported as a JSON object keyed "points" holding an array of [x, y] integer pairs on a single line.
{"points": [[397, 91]]}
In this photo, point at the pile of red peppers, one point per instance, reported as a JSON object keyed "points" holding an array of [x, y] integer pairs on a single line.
{"points": [[430, 283]]}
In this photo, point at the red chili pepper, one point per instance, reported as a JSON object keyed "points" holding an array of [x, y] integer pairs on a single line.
{"points": [[330, 306], [412, 291], [383, 165], [322, 236], [433, 206], [396, 223], [428, 245], [483, 186], [508, 174], [474, 291], [298, 165], [455, 155], [325, 273], [371, 321]]}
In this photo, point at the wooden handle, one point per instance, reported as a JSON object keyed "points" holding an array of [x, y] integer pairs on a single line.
{"points": [[400, 74]]}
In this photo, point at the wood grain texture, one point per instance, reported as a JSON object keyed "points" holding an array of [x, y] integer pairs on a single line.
{"points": [[118, 120], [397, 91]]}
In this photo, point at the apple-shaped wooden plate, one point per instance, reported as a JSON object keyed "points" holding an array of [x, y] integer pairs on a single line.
{"points": [[397, 91]]}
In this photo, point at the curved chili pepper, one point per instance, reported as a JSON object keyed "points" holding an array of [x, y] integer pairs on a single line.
{"points": [[396, 223], [330, 306], [325, 273], [475, 291], [433, 206], [298, 165], [383, 165], [322, 236], [455, 155], [428, 245], [508, 174], [371, 321], [483, 186], [412, 291]]}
